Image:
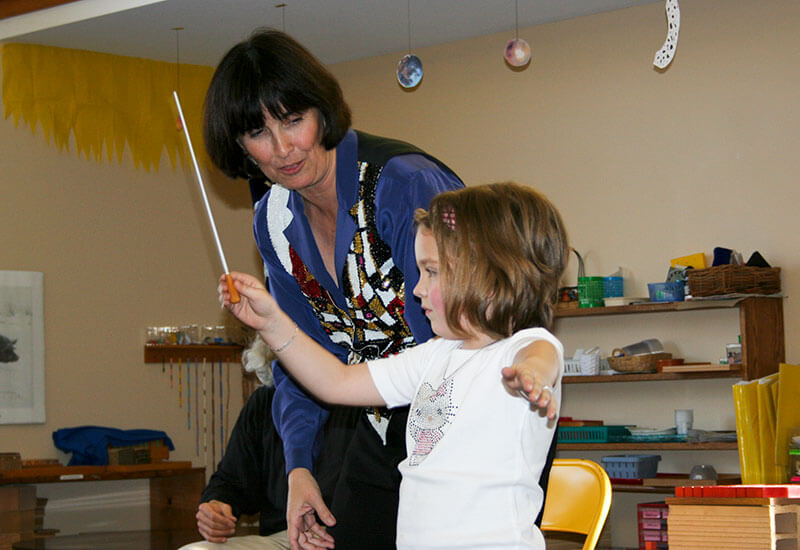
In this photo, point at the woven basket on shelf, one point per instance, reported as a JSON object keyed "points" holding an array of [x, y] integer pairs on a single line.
{"points": [[645, 362], [734, 279]]}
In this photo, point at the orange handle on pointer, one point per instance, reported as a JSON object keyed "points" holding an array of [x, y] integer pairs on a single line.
{"points": [[232, 289]]}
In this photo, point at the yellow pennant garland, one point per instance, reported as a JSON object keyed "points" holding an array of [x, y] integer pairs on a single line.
{"points": [[107, 102]]}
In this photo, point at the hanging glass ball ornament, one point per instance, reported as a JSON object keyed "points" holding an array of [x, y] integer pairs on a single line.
{"points": [[409, 71], [517, 52]]}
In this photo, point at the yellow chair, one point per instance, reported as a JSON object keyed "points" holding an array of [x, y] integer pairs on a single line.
{"points": [[578, 499]]}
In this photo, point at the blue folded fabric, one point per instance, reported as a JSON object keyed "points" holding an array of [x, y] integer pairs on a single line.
{"points": [[89, 444]]}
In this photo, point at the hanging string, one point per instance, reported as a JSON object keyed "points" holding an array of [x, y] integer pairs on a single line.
{"points": [[282, 5], [197, 411], [177, 58], [205, 421], [213, 417], [516, 18], [188, 394], [227, 399], [408, 15], [221, 415], [180, 383]]}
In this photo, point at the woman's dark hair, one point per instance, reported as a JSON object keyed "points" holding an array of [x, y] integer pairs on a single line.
{"points": [[272, 71]]}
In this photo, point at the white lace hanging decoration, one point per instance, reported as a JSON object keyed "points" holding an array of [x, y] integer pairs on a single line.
{"points": [[667, 52]]}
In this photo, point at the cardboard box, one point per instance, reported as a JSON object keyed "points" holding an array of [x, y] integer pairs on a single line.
{"points": [[143, 453]]}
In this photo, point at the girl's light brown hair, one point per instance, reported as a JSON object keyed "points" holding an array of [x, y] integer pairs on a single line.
{"points": [[502, 251]]}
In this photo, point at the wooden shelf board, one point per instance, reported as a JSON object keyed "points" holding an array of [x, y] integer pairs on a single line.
{"points": [[734, 372], [159, 353], [49, 474], [666, 446], [666, 483], [650, 307]]}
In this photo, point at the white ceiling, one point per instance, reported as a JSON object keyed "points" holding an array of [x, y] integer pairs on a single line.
{"points": [[334, 30]]}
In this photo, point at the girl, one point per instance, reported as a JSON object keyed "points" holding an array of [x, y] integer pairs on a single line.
{"points": [[490, 259]]}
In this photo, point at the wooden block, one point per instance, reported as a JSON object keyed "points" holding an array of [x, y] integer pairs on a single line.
{"points": [[17, 497], [770, 526], [39, 462], [10, 461], [698, 367], [174, 500], [17, 521], [7, 539]]}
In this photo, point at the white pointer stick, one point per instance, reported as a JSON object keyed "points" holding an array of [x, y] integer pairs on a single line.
{"points": [[231, 288]]}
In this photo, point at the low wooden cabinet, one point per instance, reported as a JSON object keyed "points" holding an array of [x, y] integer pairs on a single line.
{"points": [[175, 487]]}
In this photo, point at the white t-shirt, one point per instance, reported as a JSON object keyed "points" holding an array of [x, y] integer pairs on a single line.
{"points": [[475, 451]]}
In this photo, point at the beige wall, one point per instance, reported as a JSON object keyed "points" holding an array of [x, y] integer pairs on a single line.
{"points": [[644, 165], [120, 249]]}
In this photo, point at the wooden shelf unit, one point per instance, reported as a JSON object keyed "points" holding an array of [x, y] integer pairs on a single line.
{"points": [[655, 446], [763, 349], [760, 326]]}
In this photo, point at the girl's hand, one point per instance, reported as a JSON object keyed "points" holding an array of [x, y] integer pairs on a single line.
{"points": [[255, 306], [525, 381], [533, 374]]}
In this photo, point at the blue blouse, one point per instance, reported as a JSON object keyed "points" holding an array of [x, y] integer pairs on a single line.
{"points": [[285, 240]]}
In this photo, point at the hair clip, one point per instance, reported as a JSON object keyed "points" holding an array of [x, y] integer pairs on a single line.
{"points": [[449, 217]]}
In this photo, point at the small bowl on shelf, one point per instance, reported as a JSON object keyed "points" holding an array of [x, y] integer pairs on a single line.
{"points": [[703, 471]]}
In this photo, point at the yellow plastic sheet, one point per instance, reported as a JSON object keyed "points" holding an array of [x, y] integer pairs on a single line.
{"points": [[745, 399], [106, 102], [788, 413], [771, 472]]}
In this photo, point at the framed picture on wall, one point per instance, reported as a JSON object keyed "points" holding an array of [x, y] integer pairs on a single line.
{"points": [[21, 347]]}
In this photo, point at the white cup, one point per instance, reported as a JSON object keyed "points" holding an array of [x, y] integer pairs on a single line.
{"points": [[683, 420]]}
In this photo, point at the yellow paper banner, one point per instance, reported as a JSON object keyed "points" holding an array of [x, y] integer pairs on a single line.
{"points": [[107, 102]]}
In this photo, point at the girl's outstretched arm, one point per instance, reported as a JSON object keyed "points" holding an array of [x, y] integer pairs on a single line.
{"points": [[534, 375], [319, 371]]}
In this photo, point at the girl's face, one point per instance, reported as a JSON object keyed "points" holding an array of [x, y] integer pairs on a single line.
{"points": [[289, 151], [429, 289]]}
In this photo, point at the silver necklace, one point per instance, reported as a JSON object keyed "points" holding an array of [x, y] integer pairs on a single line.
{"points": [[478, 351]]}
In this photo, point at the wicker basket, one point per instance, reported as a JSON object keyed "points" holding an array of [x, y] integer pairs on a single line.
{"points": [[645, 362], [734, 279]]}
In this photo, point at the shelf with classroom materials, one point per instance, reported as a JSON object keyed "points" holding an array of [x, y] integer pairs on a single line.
{"points": [[734, 372], [643, 446], [212, 353], [666, 483], [760, 326]]}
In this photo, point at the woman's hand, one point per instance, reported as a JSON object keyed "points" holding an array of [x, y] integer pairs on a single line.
{"points": [[305, 499], [255, 306], [215, 521]]}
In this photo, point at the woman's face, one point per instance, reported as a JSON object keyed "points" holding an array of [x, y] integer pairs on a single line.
{"points": [[289, 151]]}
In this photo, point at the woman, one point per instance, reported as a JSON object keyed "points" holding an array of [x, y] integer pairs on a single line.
{"points": [[335, 231]]}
